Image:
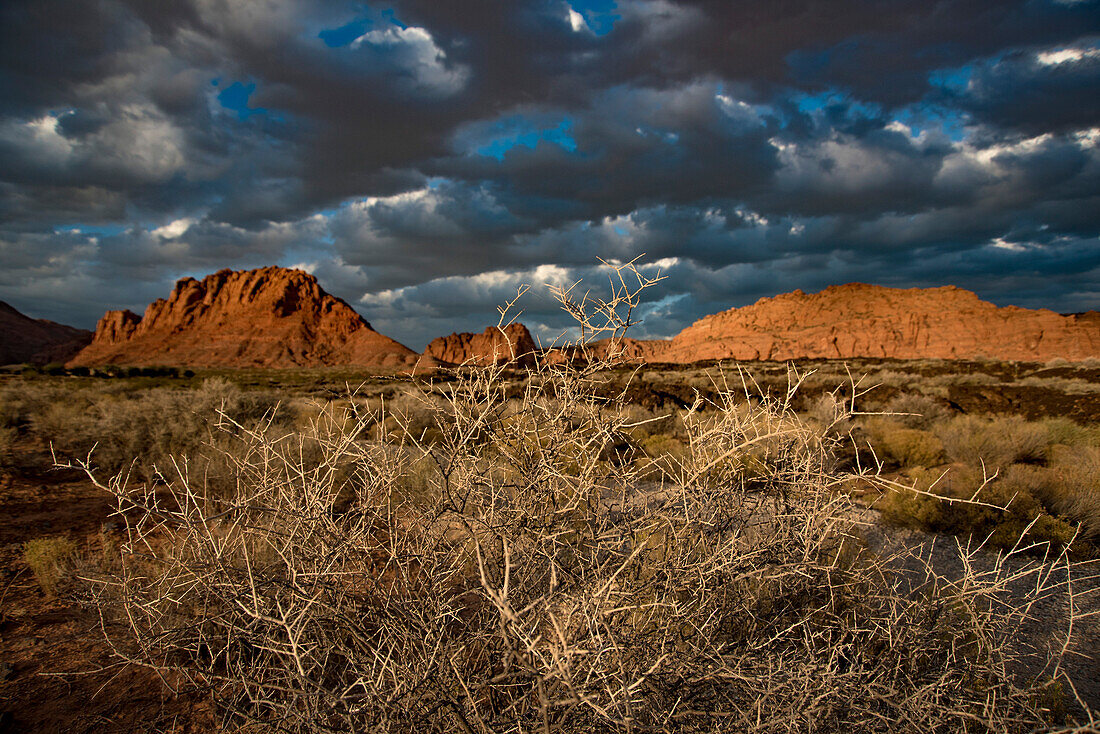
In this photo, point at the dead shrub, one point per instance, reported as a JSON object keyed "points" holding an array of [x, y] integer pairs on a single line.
{"points": [[506, 576]]}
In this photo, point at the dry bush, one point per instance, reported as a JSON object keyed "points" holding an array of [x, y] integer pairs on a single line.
{"points": [[906, 447], [1069, 486], [135, 430], [8, 437], [916, 411], [892, 378], [1070, 386], [993, 442], [510, 575], [832, 413]]}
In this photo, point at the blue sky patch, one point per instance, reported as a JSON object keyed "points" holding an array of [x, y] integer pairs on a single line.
{"points": [[921, 117], [854, 109], [94, 230], [345, 34], [519, 130], [952, 80], [600, 15], [235, 99]]}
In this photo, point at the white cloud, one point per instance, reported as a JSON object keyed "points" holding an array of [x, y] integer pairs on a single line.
{"points": [[38, 139], [415, 51], [576, 21], [172, 230], [738, 110], [1001, 244], [1066, 55], [1089, 138]]}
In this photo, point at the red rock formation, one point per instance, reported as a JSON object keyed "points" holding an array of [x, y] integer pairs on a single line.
{"points": [[37, 341], [271, 317], [858, 320], [492, 346]]}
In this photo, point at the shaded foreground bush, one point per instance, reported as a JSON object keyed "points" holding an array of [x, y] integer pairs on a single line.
{"points": [[515, 575]]}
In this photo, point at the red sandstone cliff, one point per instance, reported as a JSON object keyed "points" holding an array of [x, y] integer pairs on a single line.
{"points": [[37, 341], [858, 320], [271, 317], [492, 346]]}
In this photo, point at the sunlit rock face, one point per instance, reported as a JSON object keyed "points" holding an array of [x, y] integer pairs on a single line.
{"points": [[858, 320], [510, 344], [270, 317]]}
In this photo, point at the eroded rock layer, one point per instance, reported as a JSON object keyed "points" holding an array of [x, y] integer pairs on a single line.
{"points": [[513, 343], [270, 317], [858, 320]]}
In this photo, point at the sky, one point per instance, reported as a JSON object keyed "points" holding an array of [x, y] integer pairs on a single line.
{"points": [[424, 158]]}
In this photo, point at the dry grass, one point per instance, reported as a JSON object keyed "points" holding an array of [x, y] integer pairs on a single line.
{"points": [[514, 574], [129, 429], [905, 447], [993, 442], [50, 560]]}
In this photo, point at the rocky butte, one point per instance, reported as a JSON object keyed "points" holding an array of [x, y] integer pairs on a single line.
{"points": [[859, 320], [495, 345], [270, 317], [37, 341]]}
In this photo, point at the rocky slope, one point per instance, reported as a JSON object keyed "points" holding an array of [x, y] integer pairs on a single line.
{"points": [[858, 320], [513, 343], [37, 341], [270, 317]]}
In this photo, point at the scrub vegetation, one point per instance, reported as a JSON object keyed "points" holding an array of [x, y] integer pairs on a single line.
{"points": [[578, 546]]}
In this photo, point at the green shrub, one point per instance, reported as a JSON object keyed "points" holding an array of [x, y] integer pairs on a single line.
{"points": [[1069, 486], [658, 445], [49, 559], [907, 447], [1001, 513], [1066, 432]]}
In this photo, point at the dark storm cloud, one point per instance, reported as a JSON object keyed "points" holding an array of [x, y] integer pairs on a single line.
{"points": [[1037, 93], [430, 156]]}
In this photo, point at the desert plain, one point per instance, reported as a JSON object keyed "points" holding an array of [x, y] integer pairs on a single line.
{"points": [[927, 527]]}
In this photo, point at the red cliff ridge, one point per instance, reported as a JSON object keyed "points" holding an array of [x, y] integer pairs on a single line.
{"points": [[512, 343], [859, 320], [270, 317]]}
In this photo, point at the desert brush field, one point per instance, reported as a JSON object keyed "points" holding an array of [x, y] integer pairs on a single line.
{"points": [[578, 545]]}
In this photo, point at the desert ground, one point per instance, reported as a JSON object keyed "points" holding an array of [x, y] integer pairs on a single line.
{"points": [[1023, 438]]}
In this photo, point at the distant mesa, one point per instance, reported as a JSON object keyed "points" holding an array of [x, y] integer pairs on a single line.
{"points": [[270, 317], [859, 320], [495, 345], [275, 317], [37, 341]]}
